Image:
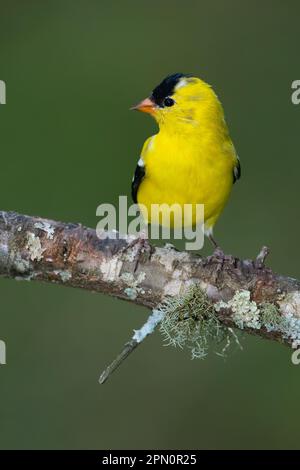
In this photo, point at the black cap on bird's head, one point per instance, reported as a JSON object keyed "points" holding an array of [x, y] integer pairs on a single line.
{"points": [[166, 88], [160, 96]]}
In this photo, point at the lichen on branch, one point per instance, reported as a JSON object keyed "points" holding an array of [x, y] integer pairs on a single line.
{"points": [[245, 294]]}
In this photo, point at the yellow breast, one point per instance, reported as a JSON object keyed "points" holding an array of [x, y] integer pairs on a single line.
{"points": [[187, 170]]}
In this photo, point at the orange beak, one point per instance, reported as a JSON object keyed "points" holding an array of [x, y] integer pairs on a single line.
{"points": [[146, 106]]}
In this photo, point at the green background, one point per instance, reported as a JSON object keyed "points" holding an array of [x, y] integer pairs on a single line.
{"points": [[68, 143]]}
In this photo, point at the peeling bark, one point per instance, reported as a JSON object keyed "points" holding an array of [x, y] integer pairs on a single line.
{"points": [[32, 248]]}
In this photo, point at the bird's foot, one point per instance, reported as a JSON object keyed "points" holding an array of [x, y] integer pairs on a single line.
{"points": [[218, 253], [219, 257]]}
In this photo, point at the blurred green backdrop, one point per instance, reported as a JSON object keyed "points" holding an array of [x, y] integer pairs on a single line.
{"points": [[68, 143]]}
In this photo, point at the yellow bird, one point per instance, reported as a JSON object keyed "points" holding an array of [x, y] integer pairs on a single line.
{"points": [[191, 160]]}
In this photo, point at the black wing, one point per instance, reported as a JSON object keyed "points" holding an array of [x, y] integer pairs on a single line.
{"points": [[139, 175], [237, 171]]}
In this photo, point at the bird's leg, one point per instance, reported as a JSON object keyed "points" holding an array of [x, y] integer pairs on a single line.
{"points": [[218, 252], [213, 241]]}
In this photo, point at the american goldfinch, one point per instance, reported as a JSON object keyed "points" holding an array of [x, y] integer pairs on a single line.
{"points": [[191, 160]]}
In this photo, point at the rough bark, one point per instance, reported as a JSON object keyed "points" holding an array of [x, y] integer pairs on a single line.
{"points": [[32, 248]]}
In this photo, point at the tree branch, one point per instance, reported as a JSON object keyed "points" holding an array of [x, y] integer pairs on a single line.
{"points": [[32, 248]]}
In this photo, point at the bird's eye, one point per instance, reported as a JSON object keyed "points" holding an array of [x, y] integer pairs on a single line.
{"points": [[168, 101]]}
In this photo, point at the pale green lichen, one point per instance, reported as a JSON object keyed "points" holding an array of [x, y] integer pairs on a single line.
{"points": [[132, 290], [64, 275], [34, 247], [21, 265], [290, 303], [286, 324], [46, 227], [291, 329], [131, 293], [190, 321], [147, 329], [245, 312]]}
